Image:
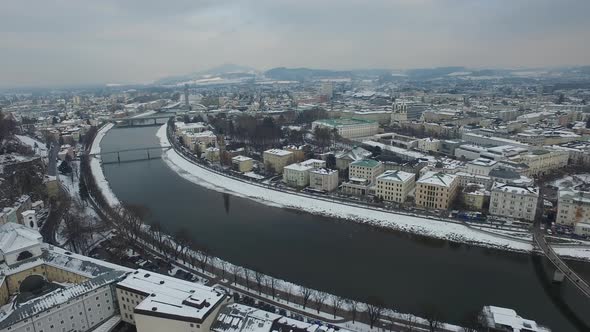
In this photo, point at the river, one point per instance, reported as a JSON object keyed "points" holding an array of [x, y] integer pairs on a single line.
{"points": [[409, 272]]}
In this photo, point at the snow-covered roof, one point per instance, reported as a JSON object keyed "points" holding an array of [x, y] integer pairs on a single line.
{"points": [[15, 237], [298, 167], [395, 176], [437, 179], [505, 317], [167, 295], [241, 158], [514, 189], [278, 152]]}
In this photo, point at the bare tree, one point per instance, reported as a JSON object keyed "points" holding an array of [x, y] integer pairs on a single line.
{"points": [[235, 271], [183, 241], [411, 322], [259, 277], [319, 298], [129, 219], [471, 322], [354, 307], [271, 284], [433, 317], [247, 277], [305, 295], [75, 230], [374, 309], [203, 255], [336, 302], [288, 291], [158, 235], [222, 266]]}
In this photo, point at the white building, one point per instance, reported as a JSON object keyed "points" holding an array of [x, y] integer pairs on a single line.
{"points": [[394, 186], [156, 302], [480, 166], [573, 207], [541, 162], [429, 144], [512, 201], [323, 179], [349, 128], [297, 175]]}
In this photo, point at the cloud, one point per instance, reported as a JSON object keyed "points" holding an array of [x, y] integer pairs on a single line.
{"points": [[83, 41]]}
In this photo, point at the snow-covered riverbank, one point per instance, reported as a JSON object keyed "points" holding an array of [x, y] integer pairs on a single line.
{"points": [[95, 166], [437, 229]]}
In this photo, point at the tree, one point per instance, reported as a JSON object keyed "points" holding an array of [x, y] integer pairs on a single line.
{"points": [[23, 255], [75, 230], [182, 242], [158, 235], [222, 265], [203, 255], [288, 291], [247, 277], [433, 317], [353, 305], [129, 220], [259, 280], [588, 122], [305, 295], [336, 302], [374, 309], [319, 298], [411, 322], [323, 136], [65, 167], [331, 161], [471, 322], [235, 271]]}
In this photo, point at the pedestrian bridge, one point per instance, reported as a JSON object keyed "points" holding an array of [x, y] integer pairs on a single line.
{"points": [[563, 270], [147, 150]]}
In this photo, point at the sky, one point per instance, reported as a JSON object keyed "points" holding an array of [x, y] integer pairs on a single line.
{"points": [[69, 42]]}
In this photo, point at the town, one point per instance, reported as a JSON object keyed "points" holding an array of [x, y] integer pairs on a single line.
{"points": [[503, 156]]}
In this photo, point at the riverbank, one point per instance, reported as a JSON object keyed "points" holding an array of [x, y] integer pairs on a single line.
{"points": [[445, 230], [95, 166]]}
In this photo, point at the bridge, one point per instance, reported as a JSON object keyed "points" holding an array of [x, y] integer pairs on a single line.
{"points": [[563, 271], [150, 120], [146, 149]]}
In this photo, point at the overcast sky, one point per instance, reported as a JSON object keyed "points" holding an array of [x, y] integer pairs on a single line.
{"points": [[56, 42]]}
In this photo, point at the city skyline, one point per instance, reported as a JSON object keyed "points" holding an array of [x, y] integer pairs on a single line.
{"points": [[71, 42]]}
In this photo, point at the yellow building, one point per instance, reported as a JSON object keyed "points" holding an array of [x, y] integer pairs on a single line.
{"points": [[276, 159], [242, 164], [436, 190]]}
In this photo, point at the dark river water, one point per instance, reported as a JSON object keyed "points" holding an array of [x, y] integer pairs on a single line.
{"points": [[344, 258]]}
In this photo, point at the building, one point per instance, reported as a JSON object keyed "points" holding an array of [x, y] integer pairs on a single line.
{"points": [[297, 175], [429, 144], [541, 162], [480, 166], [475, 196], [242, 164], [349, 128], [30, 219], [436, 190], [497, 319], [156, 302], [323, 179], [407, 111], [212, 154], [394, 186], [573, 207], [344, 158], [276, 159], [367, 169], [513, 201]]}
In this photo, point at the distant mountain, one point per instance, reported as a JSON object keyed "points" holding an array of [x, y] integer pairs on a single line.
{"points": [[227, 70], [303, 74]]}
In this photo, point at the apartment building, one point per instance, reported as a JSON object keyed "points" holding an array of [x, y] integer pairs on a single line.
{"points": [[514, 201], [367, 169], [436, 190], [394, 186], [349, 128], [541, 162], [573, 207], [276, 159], [242, 164], [323, 179]]}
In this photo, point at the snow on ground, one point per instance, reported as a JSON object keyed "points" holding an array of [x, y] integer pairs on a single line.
{"points": [[41, 147], [95, 166], [148, 113], [412, 224]]}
